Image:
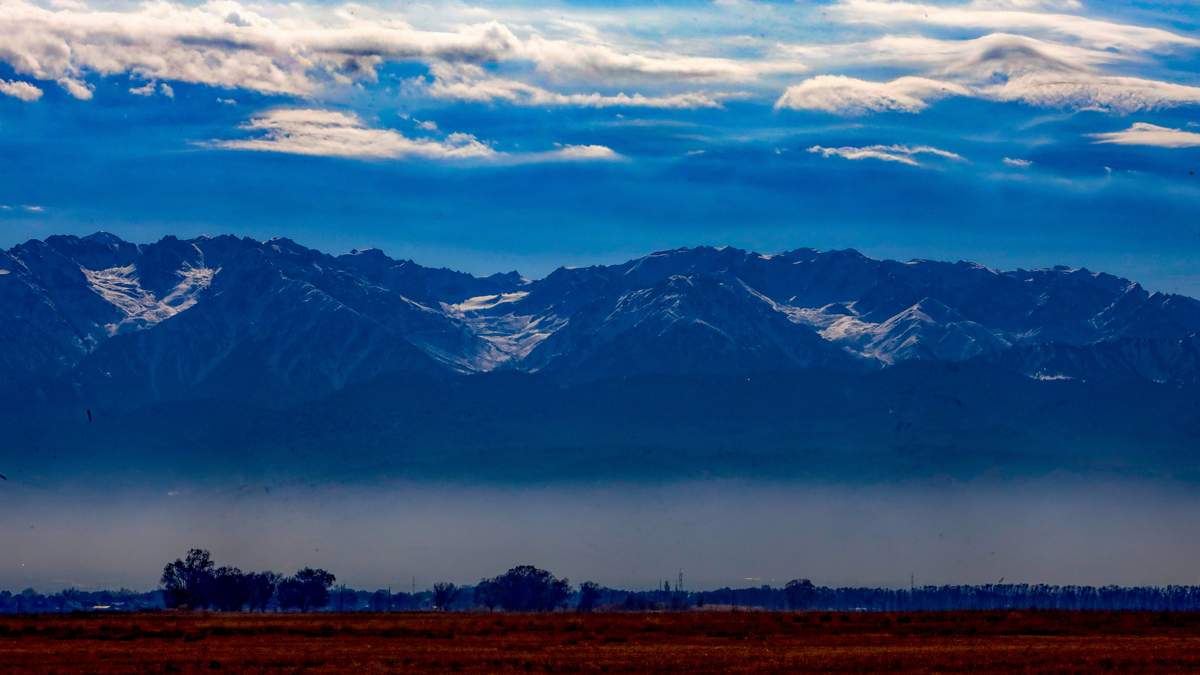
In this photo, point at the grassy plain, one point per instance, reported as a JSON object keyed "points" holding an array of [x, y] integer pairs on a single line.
{"points": [[698, 641]]}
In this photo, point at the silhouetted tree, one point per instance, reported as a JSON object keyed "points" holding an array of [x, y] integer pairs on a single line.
{"points": [[444, 594], [800, 593], [230, 589], [487, 594], [308, 589], [188, 582], [589, 594], [526, 588], [260, 589]]}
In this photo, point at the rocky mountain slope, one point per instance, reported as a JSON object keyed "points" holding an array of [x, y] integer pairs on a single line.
{"points": [[275, 321]]}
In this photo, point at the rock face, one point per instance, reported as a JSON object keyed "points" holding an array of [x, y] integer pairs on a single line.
{"points": [[274, 321]]}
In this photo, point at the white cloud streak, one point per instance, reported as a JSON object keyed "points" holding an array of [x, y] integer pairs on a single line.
{"points": [[1013, 17], [22, 90], [76, 88], [996, 67], [849, 96], [1122, 95], [980, 57], [1017, 163], [570, 153], [469, 82], [144, 90], [902, 154], [1142, 133], [329, 133]]}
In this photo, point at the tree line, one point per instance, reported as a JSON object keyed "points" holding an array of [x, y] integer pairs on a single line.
{"points": [[196, 582]]}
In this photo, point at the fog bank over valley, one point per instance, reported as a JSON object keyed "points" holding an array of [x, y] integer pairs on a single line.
{"points": [[1064, 530]]}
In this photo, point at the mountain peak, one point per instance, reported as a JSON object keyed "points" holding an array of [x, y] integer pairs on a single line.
{"points": [[102, 237]]}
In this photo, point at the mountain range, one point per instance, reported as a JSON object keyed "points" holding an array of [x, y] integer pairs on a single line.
{"points": [[257, 333]]}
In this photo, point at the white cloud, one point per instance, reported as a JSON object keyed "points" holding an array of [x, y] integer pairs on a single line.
{"points": [[980, 58], [1017, 163], [469, 82], [22, 90], [903, 154], [299, 49], [997, 67], [585, 152], [329, 133], [1142, 133], [1085, 90], [33, 208], [605, 61], [151, 88], [1011, 17], [77, 88], [276, 49], [1041, 52], [1027, 4], [849, 96]]}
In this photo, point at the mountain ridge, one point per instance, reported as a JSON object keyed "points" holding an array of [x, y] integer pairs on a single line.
{"points": [[275, 320]]}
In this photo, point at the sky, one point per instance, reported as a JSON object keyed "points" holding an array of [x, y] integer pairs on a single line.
{"points": [[513, 135]]}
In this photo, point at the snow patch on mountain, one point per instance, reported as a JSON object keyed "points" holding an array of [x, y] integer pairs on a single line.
{"points": [[512, 334], [1056, 377], [927, 330], [486, 301], [121, 287]]}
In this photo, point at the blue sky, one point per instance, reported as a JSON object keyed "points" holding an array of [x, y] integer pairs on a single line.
{"points": [[494, 136]]}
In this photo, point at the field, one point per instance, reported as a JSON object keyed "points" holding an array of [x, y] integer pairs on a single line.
{"points": [[708, 641]]}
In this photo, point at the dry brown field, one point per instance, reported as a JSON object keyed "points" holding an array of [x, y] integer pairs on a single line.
{"points": [[713, 641]]}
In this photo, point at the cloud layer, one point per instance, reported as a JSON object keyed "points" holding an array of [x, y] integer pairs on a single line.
{"points": [[302, 49], [317, 63], [1039, 52], [331, 133]]}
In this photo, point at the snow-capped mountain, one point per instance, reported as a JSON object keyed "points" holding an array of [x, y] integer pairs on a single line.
{"points": [[275, 321]]}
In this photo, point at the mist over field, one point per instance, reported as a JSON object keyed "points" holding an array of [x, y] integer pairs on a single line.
{"points": [[1057, 529]]}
